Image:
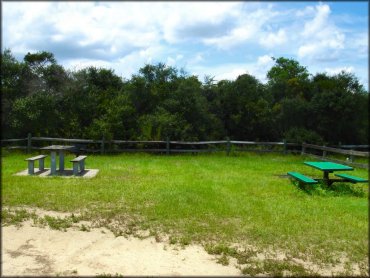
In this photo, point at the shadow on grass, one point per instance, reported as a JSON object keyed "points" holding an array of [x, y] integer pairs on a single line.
{"points": [[336, 189]]}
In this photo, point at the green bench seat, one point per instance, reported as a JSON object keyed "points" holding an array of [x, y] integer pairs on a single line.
{"points": [[302, 178], [351, 178]]}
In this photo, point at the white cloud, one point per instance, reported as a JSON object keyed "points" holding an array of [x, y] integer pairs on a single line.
{"points": [[231, 71], [321, 38], [172, 61], [336, 70], [274, 39], [307, 11], [196, 59], [316, 25], [248, 28], [235, 37], [209, 35], [360, 45], [183, 21]]}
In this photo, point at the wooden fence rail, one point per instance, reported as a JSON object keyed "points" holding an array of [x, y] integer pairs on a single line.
{"points": [[335, 150], [353, 146], [13, 140]]}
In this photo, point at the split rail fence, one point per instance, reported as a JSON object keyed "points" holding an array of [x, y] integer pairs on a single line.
{"points": [[333, 153]]}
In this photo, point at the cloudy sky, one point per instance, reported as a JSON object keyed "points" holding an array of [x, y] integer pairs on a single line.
{"points": [[221, 39]]}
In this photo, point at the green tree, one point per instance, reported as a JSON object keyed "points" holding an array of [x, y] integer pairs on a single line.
{"points": [[38, 114], [340, 106], [11, 89], [287, 79]]}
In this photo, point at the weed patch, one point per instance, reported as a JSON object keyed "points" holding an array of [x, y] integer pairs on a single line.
{"points": [[276, 268], [15, 217]]}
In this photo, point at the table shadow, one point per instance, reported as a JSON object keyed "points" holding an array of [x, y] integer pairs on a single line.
{"points": [[336, 189]]}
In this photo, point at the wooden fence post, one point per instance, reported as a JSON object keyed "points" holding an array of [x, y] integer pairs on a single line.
{"points": [[102, 150], [303, 148], [29, 143], [324, 152], [167, 146], [228, 146], [351, 157], [285, 147]]}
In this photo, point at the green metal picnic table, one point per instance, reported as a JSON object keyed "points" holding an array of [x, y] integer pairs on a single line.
{"points": [[328, 167]]}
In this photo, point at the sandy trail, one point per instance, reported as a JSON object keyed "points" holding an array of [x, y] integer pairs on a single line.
{"points": [[30, 250]]}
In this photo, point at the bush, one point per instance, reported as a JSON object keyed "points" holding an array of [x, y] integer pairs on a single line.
{"points": [[300, 135]]}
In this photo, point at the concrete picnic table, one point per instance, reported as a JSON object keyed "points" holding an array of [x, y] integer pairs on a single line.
{"points": [[54, 149], [328, 167]]}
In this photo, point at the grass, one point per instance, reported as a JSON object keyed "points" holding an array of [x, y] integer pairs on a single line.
{"points": [[214, 200], [15, 217]]}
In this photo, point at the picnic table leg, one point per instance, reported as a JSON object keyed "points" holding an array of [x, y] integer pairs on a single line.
{"points": [[326, 178], [53, 166], [61, 161]]}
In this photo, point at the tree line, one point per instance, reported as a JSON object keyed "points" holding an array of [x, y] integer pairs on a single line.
{"points": [[41, 97]]}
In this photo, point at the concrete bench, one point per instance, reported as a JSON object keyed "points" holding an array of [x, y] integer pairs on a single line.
{"points": [[78, 164], [302, 178], [31, 163]]}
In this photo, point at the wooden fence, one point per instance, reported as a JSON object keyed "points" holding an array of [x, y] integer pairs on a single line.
{"points": [[166, 146]]}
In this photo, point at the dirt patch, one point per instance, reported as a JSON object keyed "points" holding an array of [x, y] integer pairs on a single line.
{"points": [[32, 250]]}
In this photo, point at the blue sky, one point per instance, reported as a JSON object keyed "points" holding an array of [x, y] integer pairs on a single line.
{"points": [[220, 39]]}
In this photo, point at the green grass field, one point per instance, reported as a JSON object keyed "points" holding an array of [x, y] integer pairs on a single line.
{"points": [[215, 200]]}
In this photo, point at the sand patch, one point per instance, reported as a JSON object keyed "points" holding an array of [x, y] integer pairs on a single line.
{"points": [[29, 250], [33, 248]]}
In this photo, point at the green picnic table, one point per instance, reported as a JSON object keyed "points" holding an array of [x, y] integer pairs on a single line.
{"points": [[327, 168]]}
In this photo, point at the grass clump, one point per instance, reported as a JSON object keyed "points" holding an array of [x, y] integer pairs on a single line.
{"points": [[84, 228], [220, 249], [15, 217], [224, 260], [57, 223], [276, 268]]}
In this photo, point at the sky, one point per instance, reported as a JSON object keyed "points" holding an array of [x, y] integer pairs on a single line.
{"points": [[217, 39]]}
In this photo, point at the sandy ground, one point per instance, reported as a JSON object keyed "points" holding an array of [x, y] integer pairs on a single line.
{"points": [[33, 251], [29, 250]]}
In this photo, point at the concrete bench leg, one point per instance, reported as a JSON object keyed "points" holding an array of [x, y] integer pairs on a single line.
{"points": [[75, 168], [30, 167], [41, 164], [82, 165]]}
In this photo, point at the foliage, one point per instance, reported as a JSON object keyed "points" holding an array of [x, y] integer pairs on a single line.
{"points": [[300, 135], [41, 97]]}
